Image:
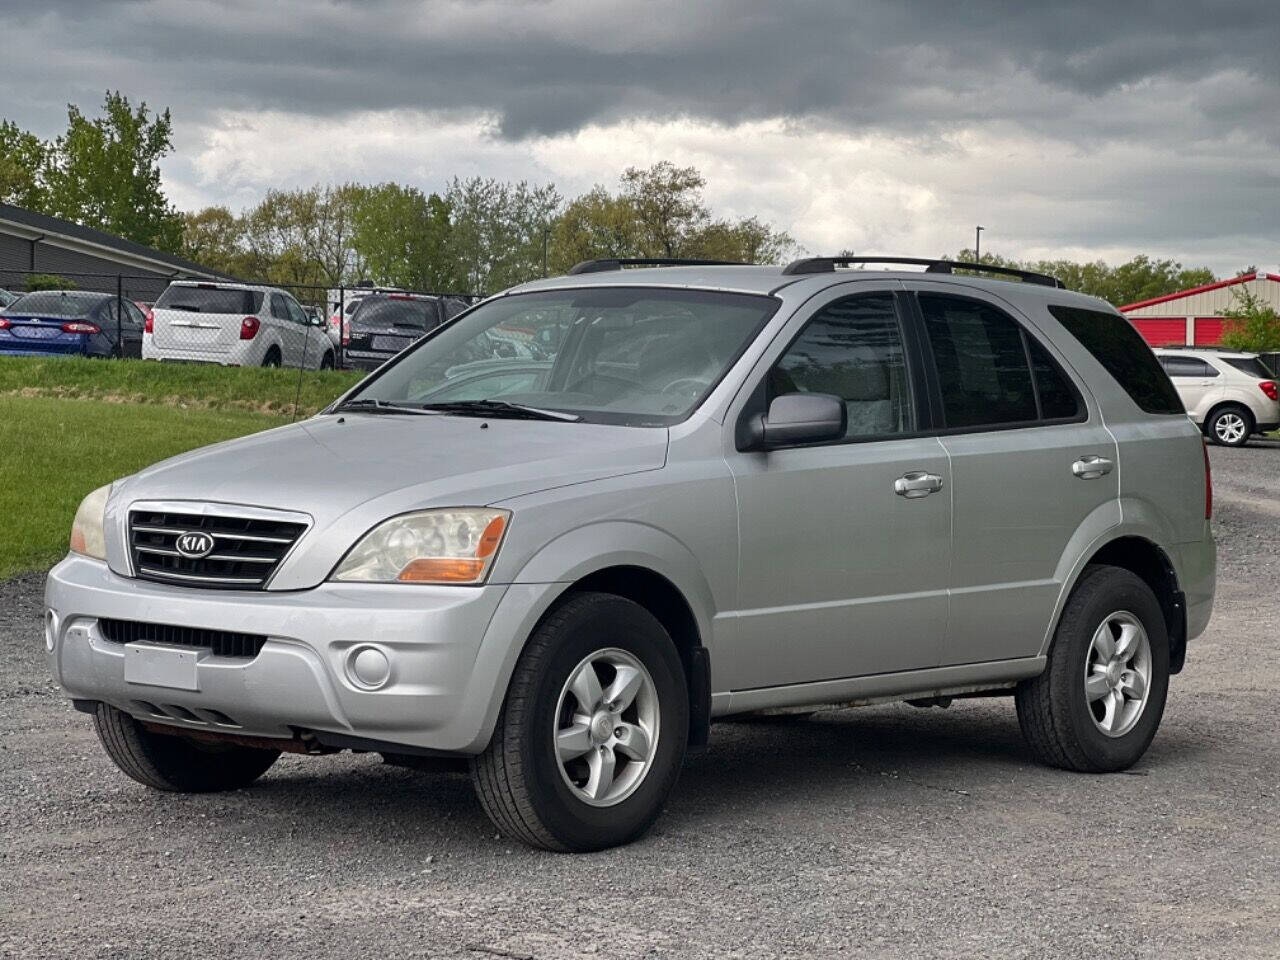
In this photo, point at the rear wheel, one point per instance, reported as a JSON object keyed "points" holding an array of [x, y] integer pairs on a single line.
{"points": [[593, 730], [272, 359], [177, 763], [326, 362], [1230, 426], [1098, 703]]}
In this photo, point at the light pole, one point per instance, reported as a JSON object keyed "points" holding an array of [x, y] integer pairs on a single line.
{"points": [[977, 244]]}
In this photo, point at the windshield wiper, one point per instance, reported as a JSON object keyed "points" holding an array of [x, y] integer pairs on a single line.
{"points": [[500, 408], [376, 406]]}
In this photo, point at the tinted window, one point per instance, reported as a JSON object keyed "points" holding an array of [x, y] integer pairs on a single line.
{"points": [[982, 365], [420, 314], [53, 304], [852, 350], [1253, 366], [1058, 398], [1115, 344], [1187, 367], [210, 300]]}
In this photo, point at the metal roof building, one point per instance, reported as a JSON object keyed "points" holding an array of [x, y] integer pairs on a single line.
{"points": [[1195, 316]]}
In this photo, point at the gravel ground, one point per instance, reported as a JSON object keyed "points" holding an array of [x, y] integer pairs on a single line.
{"points": [[882, 832]]}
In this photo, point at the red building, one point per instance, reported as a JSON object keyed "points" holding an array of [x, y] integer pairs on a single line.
{"points": [[1195, 316]]}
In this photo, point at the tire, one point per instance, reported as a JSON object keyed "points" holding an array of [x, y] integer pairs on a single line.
{"points": [[326, 362], [1230, 426], [272, 359], [1059, 716], [176, 763], [519, 779]]}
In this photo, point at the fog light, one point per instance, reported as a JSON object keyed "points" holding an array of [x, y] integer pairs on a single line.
{"points": [[50, 630], [368, 667]]}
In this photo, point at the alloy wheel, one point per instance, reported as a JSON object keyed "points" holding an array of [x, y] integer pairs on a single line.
{"points": [[1229, 427], [1117, 673]]}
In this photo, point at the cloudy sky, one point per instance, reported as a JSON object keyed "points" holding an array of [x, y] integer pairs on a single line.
{"points": [[1079, 129]]}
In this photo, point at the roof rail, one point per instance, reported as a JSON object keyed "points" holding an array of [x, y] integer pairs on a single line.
{"points": [[600, 266], [829, 264]]}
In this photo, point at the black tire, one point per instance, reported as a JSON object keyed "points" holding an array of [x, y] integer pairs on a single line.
{"points": [[1219, 419], [175, 763], [1053, 710], [518, 777], [272, 359], [326, 362]]}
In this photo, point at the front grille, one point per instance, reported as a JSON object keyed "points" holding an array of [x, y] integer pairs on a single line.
{"points": [[223, 643], [246, 550]]}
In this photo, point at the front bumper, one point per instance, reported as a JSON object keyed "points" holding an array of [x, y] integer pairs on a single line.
{"points": [[441, 694]]}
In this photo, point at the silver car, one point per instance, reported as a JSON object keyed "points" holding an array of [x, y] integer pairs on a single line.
{"points": [[733, 489]]}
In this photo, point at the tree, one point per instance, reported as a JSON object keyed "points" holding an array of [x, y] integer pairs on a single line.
{"points": [[593, 226], [1253, 325], [498, 231], [105, 173], [402, 235], [48, 281], [305, 237], [23, 157], [666, 201], [215, 238]]}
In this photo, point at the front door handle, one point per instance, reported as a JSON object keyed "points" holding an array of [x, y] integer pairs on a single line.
{"points": [[917, 484], [1091, 467]]}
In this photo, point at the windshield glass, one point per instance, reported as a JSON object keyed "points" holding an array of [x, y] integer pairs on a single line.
{"points": [[56, 304], [210, 299], [630, 355]]}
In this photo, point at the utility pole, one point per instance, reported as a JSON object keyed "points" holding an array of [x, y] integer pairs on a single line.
{"points": [[977, 244]]}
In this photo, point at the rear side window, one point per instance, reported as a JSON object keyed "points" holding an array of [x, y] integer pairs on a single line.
{"points": [[210, 300], [1253, 366], [1115, 344]]}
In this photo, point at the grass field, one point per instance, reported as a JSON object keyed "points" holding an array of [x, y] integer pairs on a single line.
{"points": [[54, 451], [184, 386]]}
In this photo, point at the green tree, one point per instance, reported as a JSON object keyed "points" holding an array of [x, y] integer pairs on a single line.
{"points": [[1254, 325], [23, 158], [593, 226], [305, 237], [402, 235], [104, 173], [499, 231], [215, 238], [48, 281]]}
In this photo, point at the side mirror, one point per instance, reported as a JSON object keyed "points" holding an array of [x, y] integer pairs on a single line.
{"points": [[797, 418]]}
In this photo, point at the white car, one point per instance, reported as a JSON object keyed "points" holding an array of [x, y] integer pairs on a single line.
{"points": [[235, 324], [1230, 396]]}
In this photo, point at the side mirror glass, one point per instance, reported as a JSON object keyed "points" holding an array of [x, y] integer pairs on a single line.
{"points": [[798, 418]]}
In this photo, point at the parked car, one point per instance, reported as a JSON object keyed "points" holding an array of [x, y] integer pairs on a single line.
{"points": [[71, 322], [235, 324], [7, 297], [1229, 395], [733, 489], [382, 324]]}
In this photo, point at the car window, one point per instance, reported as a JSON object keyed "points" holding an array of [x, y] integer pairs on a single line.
{"points": [[295, 311], [1120, 349], [1187, 367], [490, 385], [134, 317], [387, 312], [208, 298], [982, 366], [852, 349], [1059, 400], [1253, 366], [278, 308], [49, 303]]}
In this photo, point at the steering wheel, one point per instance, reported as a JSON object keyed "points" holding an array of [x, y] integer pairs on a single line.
{"points": [[691, 385]]}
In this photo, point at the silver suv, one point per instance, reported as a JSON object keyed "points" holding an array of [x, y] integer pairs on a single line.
{"points": [[699, 491]]}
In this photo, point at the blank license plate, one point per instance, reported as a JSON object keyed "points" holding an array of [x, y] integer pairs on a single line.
{"points": [[394, 344], [160, 666]]}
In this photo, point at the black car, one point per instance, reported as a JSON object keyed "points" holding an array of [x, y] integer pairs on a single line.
{"points": [[71, 322], [383, 324]]}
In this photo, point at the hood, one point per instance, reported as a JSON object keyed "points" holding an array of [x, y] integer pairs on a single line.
{"points": [[350, 472]]}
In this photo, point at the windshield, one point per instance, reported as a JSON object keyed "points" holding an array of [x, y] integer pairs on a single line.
{"points": [[630, 355], [56, 304], [210, 299]]}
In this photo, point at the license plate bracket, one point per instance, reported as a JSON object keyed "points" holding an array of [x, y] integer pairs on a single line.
{"points": [[162, 665]]}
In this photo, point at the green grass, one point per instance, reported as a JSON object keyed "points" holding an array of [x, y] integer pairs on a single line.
{"points": [[53, 451], [183, 386]]}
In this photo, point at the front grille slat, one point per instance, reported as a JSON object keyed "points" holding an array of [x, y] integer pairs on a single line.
{"points": [[223, 643], [247, 550]]}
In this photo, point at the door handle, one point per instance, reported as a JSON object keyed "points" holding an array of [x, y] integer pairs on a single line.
{"points": [[1092, 467], [917, 484]]}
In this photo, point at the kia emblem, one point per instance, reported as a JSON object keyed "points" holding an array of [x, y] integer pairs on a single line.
{"points": [[194, 546]]}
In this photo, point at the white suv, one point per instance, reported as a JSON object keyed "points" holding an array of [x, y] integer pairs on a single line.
{"points": [[235, 324], [1230, 396]]}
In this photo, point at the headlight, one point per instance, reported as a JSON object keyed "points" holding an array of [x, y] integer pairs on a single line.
{"points": [[86, 528], [457, 545]]}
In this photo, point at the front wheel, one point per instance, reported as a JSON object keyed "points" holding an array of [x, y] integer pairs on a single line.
{"points": [[176, 763], [1098, 703], [1230, 427], [593, 730]]}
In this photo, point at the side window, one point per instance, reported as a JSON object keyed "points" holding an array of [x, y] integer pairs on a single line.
{"points": [[982, 365], [278, 309], [133, 316], [1187, 367], [1114, 343], [295, 312], [1058, 398], [853, 349]]}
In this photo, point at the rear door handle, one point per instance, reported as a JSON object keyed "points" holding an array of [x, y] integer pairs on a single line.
{"points": [[1092, 467], [917, 484]]}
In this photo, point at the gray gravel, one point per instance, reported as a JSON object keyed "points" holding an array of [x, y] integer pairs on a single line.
{"points": [[883, 832]]}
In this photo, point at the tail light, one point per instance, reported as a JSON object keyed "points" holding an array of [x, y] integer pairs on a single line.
{"points": [[5, 324], [150, 325], [78, 326], [1269, 388], [1208, 485], [249, 328], [346, 331]]}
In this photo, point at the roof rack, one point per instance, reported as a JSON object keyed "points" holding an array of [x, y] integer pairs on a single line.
{"points": [[600, 266], [829, 264]]}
